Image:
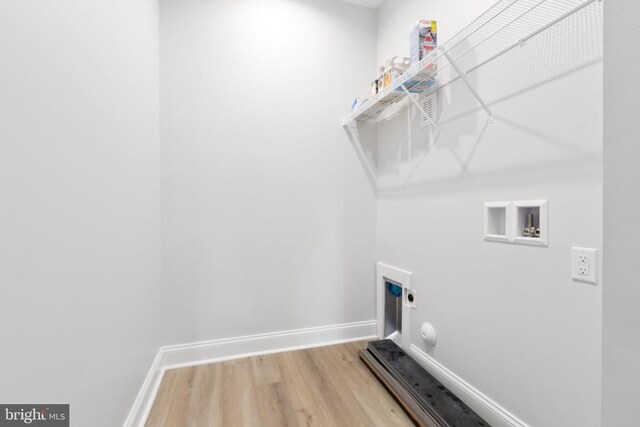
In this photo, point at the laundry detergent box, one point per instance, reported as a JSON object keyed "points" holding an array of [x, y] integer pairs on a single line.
{"points": [[423, 37]]}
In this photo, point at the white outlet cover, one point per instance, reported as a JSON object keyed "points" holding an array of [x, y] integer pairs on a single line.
{"points": [[584, 263], [407, 299]]}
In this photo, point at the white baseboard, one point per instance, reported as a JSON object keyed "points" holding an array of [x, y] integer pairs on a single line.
{"points": [[182, 355], [147, 394], [495, 414]]}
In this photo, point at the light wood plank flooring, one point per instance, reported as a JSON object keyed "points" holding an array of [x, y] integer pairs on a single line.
{"points": [[325, 386]]}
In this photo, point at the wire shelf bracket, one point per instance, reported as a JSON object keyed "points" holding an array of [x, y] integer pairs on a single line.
{"points": [[351, 128], [474, 92]]}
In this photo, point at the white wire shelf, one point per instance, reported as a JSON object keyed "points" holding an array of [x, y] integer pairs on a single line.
{"points": [[503, 27]]}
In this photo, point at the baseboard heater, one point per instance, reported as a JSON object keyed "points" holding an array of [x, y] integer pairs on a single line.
{"points": [[424, 398]]}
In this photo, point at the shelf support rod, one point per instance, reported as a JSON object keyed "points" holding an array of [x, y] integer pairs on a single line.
{"points": [[474, 92], [351, 128], [421, 109]]}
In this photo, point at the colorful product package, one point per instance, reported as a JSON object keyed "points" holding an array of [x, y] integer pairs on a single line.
{"points": [[423, 37]]}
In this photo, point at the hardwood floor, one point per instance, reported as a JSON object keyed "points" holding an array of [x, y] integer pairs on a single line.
{"points": [[325, 386]]}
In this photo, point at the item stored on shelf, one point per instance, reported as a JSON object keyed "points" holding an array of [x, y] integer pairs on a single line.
{"points": [[401, 63], [374, 87], [390, 75], [385, 75], [381, 82], [423, 39], [391, 70], [416, 86]]}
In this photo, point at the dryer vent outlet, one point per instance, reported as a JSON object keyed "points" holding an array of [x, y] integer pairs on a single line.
{"points": [[429, 105]]}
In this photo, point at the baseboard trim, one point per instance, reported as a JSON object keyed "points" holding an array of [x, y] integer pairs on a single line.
{"points": [[144, 400], [495, 414], [177, 356], [200, 353]]}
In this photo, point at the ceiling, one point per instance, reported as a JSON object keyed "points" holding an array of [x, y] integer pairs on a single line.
{"points": [[373, 4]]}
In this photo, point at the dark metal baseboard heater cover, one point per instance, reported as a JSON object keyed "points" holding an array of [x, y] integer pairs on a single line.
{"points": [[424, 398]]}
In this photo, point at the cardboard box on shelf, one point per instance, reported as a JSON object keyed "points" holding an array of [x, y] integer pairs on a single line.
{"points": [[423, 37]]}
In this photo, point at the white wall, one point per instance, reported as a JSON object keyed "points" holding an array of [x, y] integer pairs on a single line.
{"points": [[268, 221], [621, 293], [79, 204], [510, 321]]}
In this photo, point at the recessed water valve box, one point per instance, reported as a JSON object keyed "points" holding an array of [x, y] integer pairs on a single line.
{"points": [[530, 224], [496, 216]]}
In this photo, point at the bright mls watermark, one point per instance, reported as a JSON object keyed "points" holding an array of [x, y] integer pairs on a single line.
{"points": [[34, 415]]}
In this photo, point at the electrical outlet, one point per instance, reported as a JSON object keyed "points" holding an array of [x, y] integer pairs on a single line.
{"points": [[583, 270], [583, 264]]}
